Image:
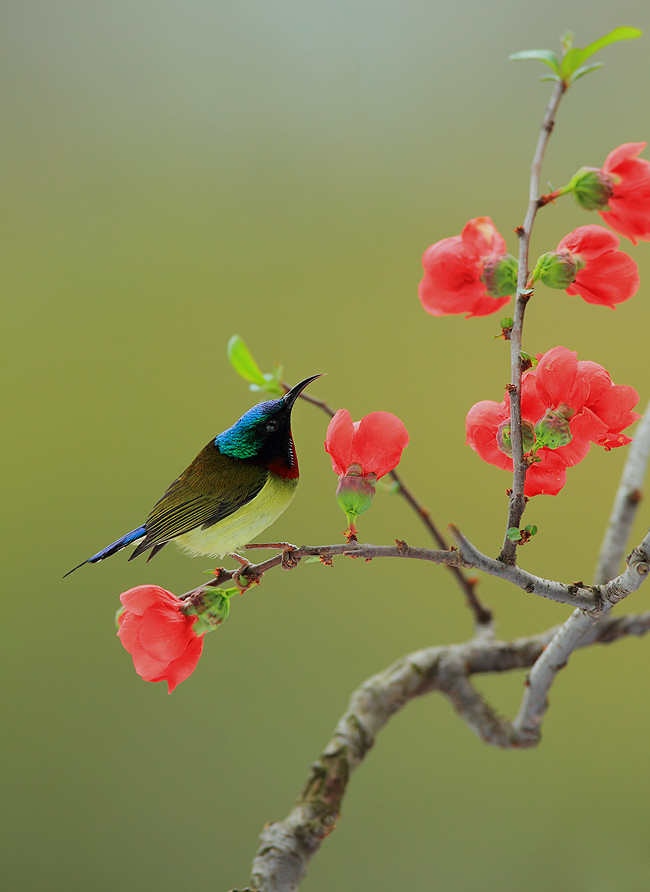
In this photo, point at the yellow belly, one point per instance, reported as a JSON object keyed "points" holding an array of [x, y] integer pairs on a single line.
{"points": [[243, 525]]}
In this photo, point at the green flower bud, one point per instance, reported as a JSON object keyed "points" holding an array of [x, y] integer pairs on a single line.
{"points": [[504, 441], [553, 430], [212, 606], [500, 275], [355, 492], [558, 269], [592, 188]]}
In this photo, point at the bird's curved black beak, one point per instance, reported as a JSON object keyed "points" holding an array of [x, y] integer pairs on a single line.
{"points": [[290, 397]]}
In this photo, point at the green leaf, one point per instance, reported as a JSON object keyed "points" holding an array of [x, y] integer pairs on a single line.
{"points": [[271, 382], [506, 322], [531, 528], [575, 58], [241, 359], [545, 56], [551, 77], [513, 534], [566, 41], [584, 69]]}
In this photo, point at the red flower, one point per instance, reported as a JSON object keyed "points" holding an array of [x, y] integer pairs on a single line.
{"points": [[375, 443], [158, 636], [629, 204], [468, 273], [608, 276], [569, 405]]}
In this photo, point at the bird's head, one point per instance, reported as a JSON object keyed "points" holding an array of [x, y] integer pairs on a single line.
{"points": [[263, 434]]}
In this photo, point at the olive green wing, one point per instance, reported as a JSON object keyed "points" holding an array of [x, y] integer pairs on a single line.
{"points": [[213, 487]]}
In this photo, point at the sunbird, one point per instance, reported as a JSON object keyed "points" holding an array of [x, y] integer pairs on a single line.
{"points": [[234, 489]]}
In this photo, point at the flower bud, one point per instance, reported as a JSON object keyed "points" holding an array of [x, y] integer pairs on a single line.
{"points": [[592, 188], [211, 606], [558, 269], [504, 441], [355, 492], [553, 430], [500, 275]]}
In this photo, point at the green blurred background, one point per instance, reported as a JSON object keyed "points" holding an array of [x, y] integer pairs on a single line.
{"points": [[176, 172]]}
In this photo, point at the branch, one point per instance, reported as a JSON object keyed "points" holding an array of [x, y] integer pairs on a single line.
{"points": [[517, 503], [579, 624], [287, 846], [626, 503]]}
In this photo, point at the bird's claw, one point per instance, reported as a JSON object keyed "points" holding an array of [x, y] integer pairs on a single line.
{"points": [[289, 557], [249, 578]]}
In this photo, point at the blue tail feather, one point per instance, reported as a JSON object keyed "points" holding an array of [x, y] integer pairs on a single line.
{"points": [[111, 549]]}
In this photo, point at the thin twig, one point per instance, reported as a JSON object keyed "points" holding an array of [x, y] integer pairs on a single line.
{"points": [[517, 502], [482, 614]]}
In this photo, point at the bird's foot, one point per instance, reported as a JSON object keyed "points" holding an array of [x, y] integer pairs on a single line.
{"points": [[289, 557], [249, 578]]}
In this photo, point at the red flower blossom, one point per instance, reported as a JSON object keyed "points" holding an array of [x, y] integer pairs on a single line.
{"points": [[628, 207], [608, 276], [468, 273], [568, 405], [158, 636], [375, 443]]}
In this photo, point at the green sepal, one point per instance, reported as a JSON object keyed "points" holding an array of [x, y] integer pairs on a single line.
{"points": [[118, 614], [514, 534], [575, 57], [211, 607], [546, 56], [241, 359]]}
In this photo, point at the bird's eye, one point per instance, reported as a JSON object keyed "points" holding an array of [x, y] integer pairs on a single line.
{"points": [[271, 426]]}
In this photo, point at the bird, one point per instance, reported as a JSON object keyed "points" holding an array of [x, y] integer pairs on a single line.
{"points": [[237, 485]]}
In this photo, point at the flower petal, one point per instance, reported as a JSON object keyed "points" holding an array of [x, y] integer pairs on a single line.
{"points": [[140, 598], [589, 241], [546, 477], [607, 280], [338, 441], [184, 666], [165, 632], [379, 442], [482, 423]]}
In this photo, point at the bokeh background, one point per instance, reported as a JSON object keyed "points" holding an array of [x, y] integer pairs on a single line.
{"points": [[176, 172]]}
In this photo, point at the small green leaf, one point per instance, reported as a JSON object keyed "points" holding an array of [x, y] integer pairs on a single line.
{"points": [[585, 69], [311, 560], [526, 290], [270, 385], [506, 322], [513, 534], [242, 361], [545, 56], [551, 77], [575, 58], [566, 41], [531, 528]]}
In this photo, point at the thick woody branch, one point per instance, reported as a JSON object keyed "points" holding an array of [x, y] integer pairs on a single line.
{"points": [[287, 846]]}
